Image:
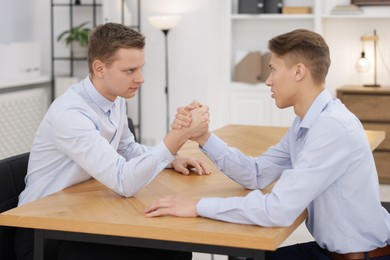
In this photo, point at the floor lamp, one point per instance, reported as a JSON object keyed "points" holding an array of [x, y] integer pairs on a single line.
{"points": [[165, 23]]}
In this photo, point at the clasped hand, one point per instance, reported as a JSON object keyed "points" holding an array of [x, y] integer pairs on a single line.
{"points": [[195, 119]]}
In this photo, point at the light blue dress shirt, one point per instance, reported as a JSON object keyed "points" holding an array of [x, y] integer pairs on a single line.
{"points": [[85, 135], [324, 164]]}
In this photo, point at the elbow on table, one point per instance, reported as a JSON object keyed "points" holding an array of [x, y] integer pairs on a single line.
{"points": [[282, 218], [126, 192], [281, 221]]}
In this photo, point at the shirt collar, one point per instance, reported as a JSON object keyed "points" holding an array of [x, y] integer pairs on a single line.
{"points": [[313, 112], [102, 102]]}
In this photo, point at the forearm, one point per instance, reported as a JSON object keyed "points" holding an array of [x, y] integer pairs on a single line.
{"points": [[175, 139], [201, 140], [141, 170]]}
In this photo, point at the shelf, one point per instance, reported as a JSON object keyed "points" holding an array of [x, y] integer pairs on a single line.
{"points": [[354, 16], [11, 83], [81, 5], [271, 16]]}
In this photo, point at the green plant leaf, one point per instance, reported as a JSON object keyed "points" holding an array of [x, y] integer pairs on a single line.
{"points": [[78, 33]]}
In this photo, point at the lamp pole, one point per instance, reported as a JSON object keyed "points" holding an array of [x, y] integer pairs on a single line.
{"points": [[165, 23], [166, 31], [375, 60]]}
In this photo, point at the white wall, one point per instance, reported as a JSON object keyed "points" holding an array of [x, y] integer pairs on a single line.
{"points": [[198, 53], [197, 61], [16, 21]]}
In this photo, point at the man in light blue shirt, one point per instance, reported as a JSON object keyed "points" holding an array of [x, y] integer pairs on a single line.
{"points": [[85, 135], [323, 164]]}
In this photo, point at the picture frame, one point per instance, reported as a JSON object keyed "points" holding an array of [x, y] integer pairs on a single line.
{"points": [[370, 2]]}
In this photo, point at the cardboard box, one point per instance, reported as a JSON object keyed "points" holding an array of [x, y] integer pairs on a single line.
{"points": [[248, 69], [265, 69]]}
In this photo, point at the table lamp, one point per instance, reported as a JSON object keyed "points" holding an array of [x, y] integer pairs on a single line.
{"points": [[363, 64], [165, 23]]}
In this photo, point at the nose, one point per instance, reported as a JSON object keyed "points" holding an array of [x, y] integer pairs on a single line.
{"points": [[139, 78], [268, 82]]}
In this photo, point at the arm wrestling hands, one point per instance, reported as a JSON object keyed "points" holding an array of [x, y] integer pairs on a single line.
{"points": [[187, 118], [199, 115]]}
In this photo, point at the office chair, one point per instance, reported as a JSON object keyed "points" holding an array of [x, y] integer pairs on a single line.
{"points": [[131, 127], [386, 205], [13, 170], [12, 173]]}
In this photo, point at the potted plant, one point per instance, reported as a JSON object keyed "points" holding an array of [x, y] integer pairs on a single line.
{"points": [[78, 34]]}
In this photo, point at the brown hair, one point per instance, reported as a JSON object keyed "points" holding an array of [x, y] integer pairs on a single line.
{"points": [[303, 46], [107, 38]]}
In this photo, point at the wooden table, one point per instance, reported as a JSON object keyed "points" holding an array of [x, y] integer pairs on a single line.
{"points": [[91, 212]]}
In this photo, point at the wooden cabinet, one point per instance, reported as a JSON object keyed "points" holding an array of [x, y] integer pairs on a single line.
{"points": [[372, 107]]}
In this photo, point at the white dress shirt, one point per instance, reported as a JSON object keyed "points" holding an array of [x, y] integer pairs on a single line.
{"points": [[324, 164], [85, 135]]}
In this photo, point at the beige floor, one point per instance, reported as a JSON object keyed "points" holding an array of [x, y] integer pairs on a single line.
{"points": [[300, 235]]}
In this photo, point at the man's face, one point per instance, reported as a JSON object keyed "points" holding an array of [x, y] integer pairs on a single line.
{"points": [[282, 82], [124, 75]]}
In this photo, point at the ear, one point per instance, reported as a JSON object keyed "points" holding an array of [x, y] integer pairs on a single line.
{"points": [[98, 68], [300, 71]]}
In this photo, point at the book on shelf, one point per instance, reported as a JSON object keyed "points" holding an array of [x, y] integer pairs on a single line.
{"points": [[346, 9], [296, 10]]}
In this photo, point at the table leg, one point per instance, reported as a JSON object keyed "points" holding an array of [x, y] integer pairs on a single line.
{"points": [[39, 244]]}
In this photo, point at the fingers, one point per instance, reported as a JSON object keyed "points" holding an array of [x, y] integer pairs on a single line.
{"points": [[157, 213], [174, 205], [205, 167], [182, 118], [183, 111], [194, 104], [159, 207], [182, 169], [200, 167], [179, 124], [184, 164]]}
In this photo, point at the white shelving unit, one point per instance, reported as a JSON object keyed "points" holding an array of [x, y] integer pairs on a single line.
{"points": [[252, 104]]}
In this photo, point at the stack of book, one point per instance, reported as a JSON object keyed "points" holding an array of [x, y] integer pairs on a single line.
{"points": [[296, 10], [346, 9]]}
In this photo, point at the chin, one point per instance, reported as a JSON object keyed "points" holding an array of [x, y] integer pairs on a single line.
{"points": [[128, 96], [281, 106]]}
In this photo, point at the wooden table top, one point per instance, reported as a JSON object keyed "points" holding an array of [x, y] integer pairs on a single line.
{"points": [[90, 207]]}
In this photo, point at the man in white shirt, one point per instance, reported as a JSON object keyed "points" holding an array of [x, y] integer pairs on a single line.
{"points": [[323, 164], [85, 135]]}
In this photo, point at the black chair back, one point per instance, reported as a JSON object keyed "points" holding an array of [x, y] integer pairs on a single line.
{"points": [[12, 173]]}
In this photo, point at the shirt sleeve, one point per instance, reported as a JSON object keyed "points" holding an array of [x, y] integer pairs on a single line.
{"points": [[322, 158], [250, 172], [82, 142]]}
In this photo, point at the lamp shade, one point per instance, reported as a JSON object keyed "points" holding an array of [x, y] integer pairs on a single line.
{"points": [[164, 22]]}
